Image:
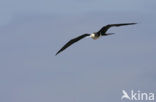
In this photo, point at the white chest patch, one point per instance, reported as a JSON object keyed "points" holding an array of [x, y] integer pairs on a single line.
{"points": [[94, 37]]}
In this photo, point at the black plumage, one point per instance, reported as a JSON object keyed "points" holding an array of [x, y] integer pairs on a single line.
{"points": [[71, 42], [101, 32], [104, 29]]}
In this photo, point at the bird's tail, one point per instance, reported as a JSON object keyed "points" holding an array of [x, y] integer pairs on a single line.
{"points": [[108, 34]]}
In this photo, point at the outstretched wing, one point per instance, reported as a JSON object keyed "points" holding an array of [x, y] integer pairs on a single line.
{"points": [[72, 41], [105, 28]]}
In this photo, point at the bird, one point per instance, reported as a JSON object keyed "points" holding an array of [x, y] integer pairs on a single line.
{"points": [[95, 35], [125, 95]]}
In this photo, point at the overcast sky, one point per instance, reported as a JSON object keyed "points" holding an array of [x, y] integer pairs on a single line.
{"points": [[32, 31]]}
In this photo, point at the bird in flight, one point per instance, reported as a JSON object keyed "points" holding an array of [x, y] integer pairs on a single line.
{"points": [[95, 35]]}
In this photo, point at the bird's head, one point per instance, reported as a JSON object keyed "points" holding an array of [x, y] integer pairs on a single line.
{"points": [[92, 35]]}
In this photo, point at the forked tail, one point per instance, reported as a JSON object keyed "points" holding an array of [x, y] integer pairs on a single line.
{"points": [[107, 34]]}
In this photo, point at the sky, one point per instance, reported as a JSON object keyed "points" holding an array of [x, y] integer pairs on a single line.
{"points": [[32, 31]]}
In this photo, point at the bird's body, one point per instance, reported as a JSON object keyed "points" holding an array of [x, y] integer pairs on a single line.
{"points": [[95, 35]]}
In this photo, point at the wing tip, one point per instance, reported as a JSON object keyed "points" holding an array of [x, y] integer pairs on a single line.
{"points": [[57, 53], [130, 23]]}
